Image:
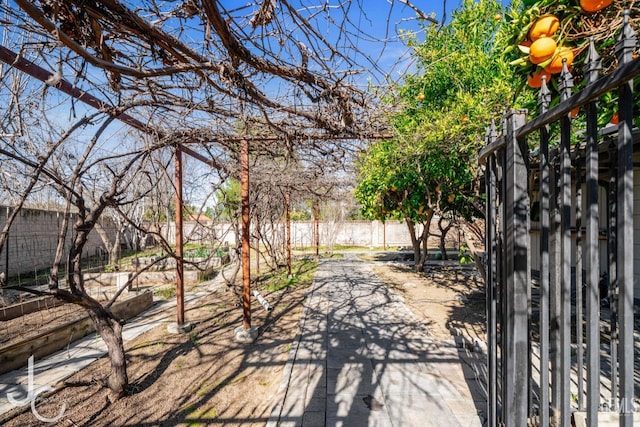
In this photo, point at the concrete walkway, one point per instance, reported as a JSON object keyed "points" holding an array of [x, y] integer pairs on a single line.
{"points": [[362, 359]]}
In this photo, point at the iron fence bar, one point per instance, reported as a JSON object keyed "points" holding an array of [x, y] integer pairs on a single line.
{"points": [[490, 224], [608, 83], [510, 292], [624, 51], [531, 393], [501, 278], [555, 262], [593, 267], [543, 323], [491, 148], [592, 248], [612, 269], [502, 283], [565, 86], [516, 250], [579, 317]]}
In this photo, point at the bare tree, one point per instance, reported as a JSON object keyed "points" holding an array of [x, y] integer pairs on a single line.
{"points": [[291, 78]]}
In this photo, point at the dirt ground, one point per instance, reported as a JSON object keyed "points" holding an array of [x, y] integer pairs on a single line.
{"points": [[205, 377], [446, 296]]}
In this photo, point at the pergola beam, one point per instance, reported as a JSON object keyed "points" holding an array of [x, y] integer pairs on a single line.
{"points": [[56, 81]]}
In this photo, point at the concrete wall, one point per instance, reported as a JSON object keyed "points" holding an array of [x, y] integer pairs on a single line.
{"points": [[357, 233], [33, 238], [348, 233]]}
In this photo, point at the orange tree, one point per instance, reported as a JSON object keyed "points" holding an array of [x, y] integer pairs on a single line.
{"points": [[429, 170], [539, 34], [412, 187]]}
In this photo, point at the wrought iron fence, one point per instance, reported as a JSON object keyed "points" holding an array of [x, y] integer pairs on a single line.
{"points": [[560, 305]]}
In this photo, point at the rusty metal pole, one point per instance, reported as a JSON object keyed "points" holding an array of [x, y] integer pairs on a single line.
{"points": [[246, 235], [179, 243], [384, 235], [257, 225], [287, 214], [316, 226]]}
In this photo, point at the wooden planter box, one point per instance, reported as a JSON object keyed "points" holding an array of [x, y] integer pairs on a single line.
{"points": [[17, 355], [20, 309]]}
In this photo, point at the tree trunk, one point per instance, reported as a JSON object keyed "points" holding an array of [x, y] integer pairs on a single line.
{"points": [[110, 330], [107, 326], [420, 248], [114, 252], [443, 236], [424, 241], [415, 243], [113, 249]]}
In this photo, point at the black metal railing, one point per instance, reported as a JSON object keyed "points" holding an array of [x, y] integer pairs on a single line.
{"points": [[560, 320]]}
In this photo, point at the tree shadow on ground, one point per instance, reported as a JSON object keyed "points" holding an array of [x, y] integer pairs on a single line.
{"points": [[363, 359], [449, 299], [197, 377]]}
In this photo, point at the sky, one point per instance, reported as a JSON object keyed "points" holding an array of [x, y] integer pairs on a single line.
{"points": [[380, 24], [379, 19]]}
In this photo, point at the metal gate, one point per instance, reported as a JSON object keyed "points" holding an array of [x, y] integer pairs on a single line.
{"points": [[560, 256]]}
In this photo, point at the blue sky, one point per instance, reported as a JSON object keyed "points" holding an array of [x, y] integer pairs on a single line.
{"points": [[384, 20]]}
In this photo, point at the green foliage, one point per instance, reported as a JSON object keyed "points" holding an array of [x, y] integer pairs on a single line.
{"points": [[302, 271], [229, 199], [165, 293], [221, 252], [198, 252], [462, 79], [414, 185], [300, 215], [461, 82], [464, 256]]}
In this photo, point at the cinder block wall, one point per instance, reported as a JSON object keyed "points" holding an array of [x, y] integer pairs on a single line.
{"points": [[33, 239]]}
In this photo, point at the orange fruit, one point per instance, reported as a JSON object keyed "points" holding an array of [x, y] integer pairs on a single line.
{"points": [[594, 5], [542, 49], [534, 80], [545, 26], [615, 119], [555, 66]]}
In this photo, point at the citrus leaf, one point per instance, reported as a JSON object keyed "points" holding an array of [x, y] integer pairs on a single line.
{"points": [[524, 49], [547, 62], [520, 61]]}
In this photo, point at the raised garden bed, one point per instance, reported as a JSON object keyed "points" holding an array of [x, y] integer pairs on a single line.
{"points": [[17, 354]]}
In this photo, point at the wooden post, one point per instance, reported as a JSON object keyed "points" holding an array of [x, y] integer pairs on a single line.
{"points": [[179, 247], [246, 235]]}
